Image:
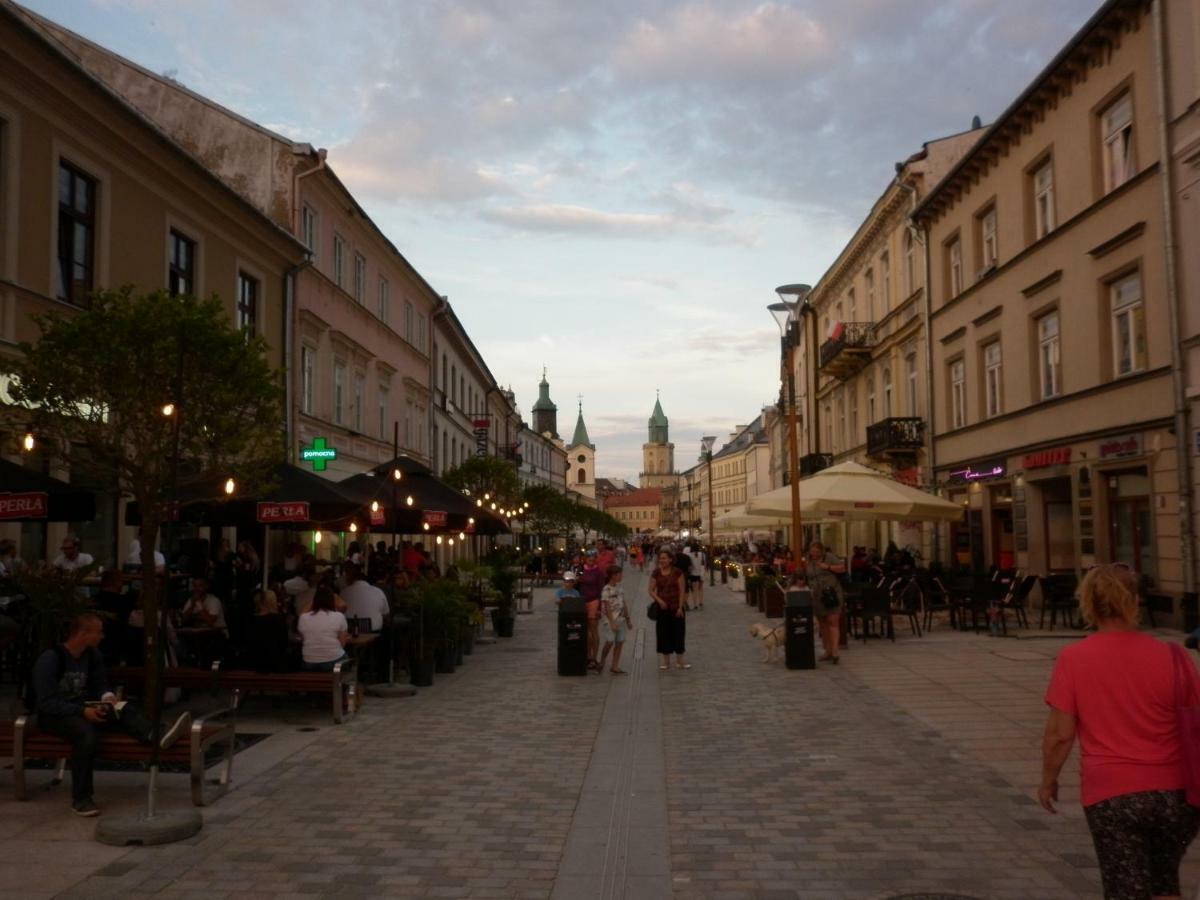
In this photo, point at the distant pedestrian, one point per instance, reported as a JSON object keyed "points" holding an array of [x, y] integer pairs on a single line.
{"points": [[695, 575], [667, 590], [1119, 691], [823, 573], [615, 623], [590, 586]]}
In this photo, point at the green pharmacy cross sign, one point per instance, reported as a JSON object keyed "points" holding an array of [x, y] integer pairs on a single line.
{"points": [[318, 454]]}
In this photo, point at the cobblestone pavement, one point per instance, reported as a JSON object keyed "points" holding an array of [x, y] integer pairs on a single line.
{"points": [[909, 768]]}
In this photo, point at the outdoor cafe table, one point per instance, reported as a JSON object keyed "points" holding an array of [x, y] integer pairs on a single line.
{"points": [[202, 642]]}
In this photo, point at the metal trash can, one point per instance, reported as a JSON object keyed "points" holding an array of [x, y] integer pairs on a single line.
{"points": [[799, 651], [572, 637]]}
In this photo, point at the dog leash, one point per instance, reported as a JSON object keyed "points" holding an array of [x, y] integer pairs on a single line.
{"points": [[771, 632]]}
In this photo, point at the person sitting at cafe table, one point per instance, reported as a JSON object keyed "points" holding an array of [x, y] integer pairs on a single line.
{"points": [[134, 557], [323, 633], [305, 579], [267, 647], [70, 558], [363, 599], [203, 609]]}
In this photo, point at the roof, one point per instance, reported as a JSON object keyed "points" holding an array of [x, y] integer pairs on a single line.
{"points": [[640, 497], [581, 436], [1005, 120], [658, 417], [543, 401], [751, 434]]}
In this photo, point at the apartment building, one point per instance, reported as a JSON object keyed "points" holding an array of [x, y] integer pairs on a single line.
{"points": [[1051, 316], [92, 196], [640, 510], [740, 470]]}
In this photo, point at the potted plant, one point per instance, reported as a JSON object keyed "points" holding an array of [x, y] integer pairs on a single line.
{"points": [[474, 622], [754, 588], [504, 583], [412, 604]]}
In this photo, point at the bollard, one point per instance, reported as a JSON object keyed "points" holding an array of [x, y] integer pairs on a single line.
{"points": [[572, 637], [799, 652]]}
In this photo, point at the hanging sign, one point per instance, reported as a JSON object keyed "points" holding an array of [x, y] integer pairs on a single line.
{"points": [[482, 428], [25, 505], [1057, 456], [434, 518], [318, 454], [270, 513], [377, 516], [1122, 445]]}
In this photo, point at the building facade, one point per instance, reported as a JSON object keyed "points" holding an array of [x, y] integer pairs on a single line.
{"points": [[740, 470], [640, 510], [1052, 322], [581, 462], [658, 465]]}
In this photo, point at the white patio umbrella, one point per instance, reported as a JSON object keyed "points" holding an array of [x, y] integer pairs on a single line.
{"points": [[739, 518], [852, 492]]}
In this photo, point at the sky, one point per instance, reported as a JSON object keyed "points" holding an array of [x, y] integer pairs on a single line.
{"points": [[609, 189]]}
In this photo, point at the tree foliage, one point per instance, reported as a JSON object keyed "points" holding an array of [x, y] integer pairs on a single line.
{"points": [[554, 513], [486, 475]]}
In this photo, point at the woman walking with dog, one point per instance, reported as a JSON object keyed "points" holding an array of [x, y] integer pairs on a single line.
{"points": [[667, 590], [822, 573]]}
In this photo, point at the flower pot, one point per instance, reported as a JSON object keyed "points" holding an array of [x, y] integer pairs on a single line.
{"points": [[420, 672], [443, 660], [504, 627]]}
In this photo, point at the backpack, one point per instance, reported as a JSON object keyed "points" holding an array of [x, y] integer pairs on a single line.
{"points": [[28, 692]]}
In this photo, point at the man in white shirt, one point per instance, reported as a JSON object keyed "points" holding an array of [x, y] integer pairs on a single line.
{"points": [[363, 599], [70, 558], [135, 557], [203, 610]]}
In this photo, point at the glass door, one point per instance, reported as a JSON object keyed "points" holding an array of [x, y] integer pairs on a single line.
{"points": [[1132, 538]]}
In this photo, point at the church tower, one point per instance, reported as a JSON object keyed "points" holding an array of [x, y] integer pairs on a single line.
{"points": [[545, 413], [658, 453], [581, 460]]}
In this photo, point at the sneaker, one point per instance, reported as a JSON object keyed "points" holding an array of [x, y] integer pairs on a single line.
{"points": [[176, 731], [85, 808]]}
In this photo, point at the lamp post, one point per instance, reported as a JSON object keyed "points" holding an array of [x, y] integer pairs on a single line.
{"points": [[706, 445], [786, 315]]}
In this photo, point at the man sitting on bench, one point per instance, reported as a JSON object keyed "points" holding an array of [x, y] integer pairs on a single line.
{"points": [[73, 702]]}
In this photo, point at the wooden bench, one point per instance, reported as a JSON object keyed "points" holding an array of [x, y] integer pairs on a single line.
{"points": [[341, 685], [23, 741]]}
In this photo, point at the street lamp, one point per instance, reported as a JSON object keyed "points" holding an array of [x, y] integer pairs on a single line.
{"points": [[786, 314], [706, 446]]}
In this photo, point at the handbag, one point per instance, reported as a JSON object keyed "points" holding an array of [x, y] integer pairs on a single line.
{"points": [[1188, 716], [652, 611]]}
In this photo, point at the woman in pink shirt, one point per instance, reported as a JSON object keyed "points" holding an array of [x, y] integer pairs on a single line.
{"points": [[1118, 691]]}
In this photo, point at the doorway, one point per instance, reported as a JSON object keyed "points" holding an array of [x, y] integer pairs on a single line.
{"points": [[1059, 523], [1131, 521]]}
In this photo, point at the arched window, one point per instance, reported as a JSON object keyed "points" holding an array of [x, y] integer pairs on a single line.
{"points": [[909, 283], [887, 393], [582, 476], [870, 399]]}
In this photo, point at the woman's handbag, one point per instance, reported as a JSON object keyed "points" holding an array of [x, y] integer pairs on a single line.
{"points": [[652, 611], [1188, 714]]}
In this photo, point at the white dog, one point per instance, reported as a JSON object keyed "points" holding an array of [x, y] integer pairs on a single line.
{"points": [[771, 637]]}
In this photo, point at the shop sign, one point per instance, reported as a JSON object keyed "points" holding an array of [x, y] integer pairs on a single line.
{"points": [[1058, 456], [269, 513], [992, 468], [319, 454], [482, 429], [26, 505], [434, 518], [1121, 446]]}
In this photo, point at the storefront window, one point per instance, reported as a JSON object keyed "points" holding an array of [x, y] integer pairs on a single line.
{"points": [[1131, 520]]}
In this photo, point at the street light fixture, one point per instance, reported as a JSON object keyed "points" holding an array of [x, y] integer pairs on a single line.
{"points": [[786, 314], [706, 447]]}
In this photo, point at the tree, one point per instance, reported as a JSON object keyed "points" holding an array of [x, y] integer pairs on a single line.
{"points": [[161, 394], [486, 475]]}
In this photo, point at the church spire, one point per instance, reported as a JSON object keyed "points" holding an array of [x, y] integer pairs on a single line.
{"points": [[545, 413], [581, 436], [659, 426]]}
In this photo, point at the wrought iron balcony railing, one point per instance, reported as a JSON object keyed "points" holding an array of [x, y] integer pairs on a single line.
{"points": [[895, 436], [849, 352]]}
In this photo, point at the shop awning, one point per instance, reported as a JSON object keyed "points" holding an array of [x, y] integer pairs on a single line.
{"points": [[29, 496]]}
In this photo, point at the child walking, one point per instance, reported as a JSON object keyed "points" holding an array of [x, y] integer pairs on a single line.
{"points": [[614, 620]]}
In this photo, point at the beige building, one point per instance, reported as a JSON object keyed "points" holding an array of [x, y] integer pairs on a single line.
{"points": [[357, 340], [94, 197], [862, 357], [1052, 316], [640, 510], [740, 470]]}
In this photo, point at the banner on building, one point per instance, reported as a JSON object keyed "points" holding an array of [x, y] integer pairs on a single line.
{"points": [[270, 513], [25, 505], [482, 428]]}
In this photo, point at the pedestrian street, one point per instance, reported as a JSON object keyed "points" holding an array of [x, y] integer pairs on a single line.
{"points": [[907, 769]]}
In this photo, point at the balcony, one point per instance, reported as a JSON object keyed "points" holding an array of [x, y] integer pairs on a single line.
{"points": [[895, 437], [812, 463], [849, 353]]}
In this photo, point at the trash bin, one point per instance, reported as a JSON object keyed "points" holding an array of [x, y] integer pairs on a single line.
{"points": [[572, 637], [799, 652]]}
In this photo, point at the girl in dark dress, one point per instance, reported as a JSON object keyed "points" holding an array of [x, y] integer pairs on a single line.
{"points": [[667, 590]]}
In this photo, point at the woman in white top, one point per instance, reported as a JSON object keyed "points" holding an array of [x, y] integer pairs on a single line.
{"points": [[324, 633]]}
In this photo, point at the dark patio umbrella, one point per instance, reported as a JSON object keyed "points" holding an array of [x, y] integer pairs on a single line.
{"points": [[430, 495], [29, 496]]}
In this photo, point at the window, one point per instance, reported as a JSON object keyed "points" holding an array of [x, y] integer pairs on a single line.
{"points": [[958, 394], [954, 264], [339, 387], [841, 411], [76, 234], [1116, 131], [885, 281], [851, 306], [993, 403], [870, 281], [247, 304], [443, 373], [408, 321], [988, 241], [360, 278], [1049, 375], [910, 375], [385, 301], [453, 384], [1043, 200], [383, 411], [909, 273], [181, 265], [1128, 324], [308, 230], [360, 388], [308, 367], [421, 332], [870, 399], [853, 404], [887, 393], [339, 261], [581, 476]]}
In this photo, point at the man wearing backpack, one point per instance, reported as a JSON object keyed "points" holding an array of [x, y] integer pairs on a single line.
{"points": [[67, 680]]}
